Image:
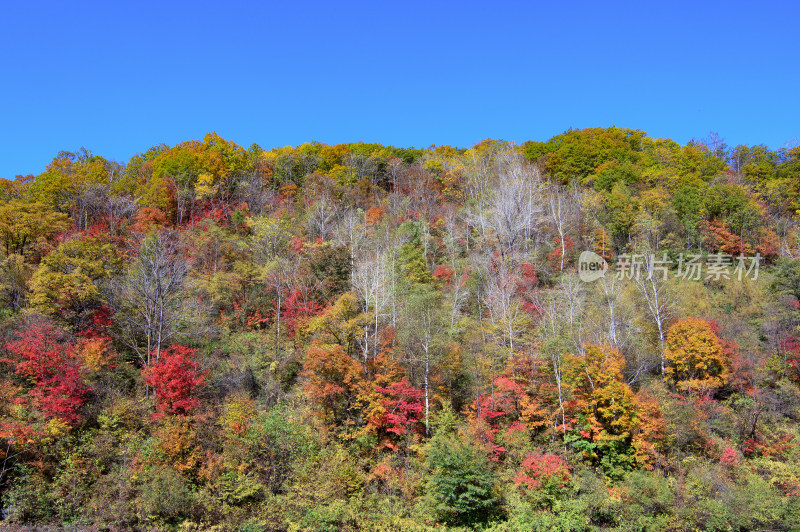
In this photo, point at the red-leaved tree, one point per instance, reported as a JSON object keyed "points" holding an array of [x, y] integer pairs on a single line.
{"points": [[540, 469], [45, 357], [174, 378], [297, 308], [403, 410]]}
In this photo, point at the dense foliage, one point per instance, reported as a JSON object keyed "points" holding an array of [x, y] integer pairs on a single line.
{"points": [[363, 337]]}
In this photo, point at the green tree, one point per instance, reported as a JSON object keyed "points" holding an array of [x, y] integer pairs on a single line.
{"points": [[577, 154], [461, 484], [787, 277], [621, 208], [688, 203]]}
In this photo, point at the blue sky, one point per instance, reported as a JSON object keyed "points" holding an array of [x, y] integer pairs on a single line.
{"points": [[118, 79]]}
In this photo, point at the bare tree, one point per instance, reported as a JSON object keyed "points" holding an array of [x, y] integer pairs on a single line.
{"points": [[422, 326], [320, 217], [455, 239], [505, 311], [364, 166], [351, 231], [119, 208], [611, 321], [251, 189], [508, 200], [660, 301], [716, 144], [88, 204], [563, 210], [550, 331], [8, 460], [516, 205], [571, 292], [394, 172], [611, 332], [185, 197], [423, 189], [150, 295], [371, 280]]}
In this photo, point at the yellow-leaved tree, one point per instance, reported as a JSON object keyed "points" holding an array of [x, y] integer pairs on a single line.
{"points": [[696, 360], [607, 415]]}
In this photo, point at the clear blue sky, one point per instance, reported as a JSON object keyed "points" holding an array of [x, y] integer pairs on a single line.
{"points": [[118, 79]]}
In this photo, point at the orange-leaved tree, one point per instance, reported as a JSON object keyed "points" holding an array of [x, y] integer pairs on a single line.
{"points": [[332, 381]]}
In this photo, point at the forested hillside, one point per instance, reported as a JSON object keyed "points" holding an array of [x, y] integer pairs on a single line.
{"points": [[365, 337]]}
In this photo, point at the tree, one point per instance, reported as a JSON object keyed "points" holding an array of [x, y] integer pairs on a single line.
{"points": [[659, 299], [655, 218], [577, 154], [15, 274], [197, 171], [270, 239], [151, 294], [695, 358], [688, 203], [321, 216], [23, 224], [505, 308], [461, 484], [613, 323], [341, 323], [554, 341], [45, 357], [604, 408], [421, 327], [331, 380], [70, 280], [403, 409], [547, 473], [511, 210], [563, 208], [297, 309], [509, 408], [787, 277], [621, 209], [119, 208], [174, 377], [330, 270], [371, 283], [74, 183]]}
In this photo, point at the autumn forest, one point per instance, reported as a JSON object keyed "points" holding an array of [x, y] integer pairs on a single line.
{"points": [[367, 337]]}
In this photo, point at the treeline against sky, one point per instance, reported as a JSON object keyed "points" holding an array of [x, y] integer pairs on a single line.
{"points": [[364, 337]]}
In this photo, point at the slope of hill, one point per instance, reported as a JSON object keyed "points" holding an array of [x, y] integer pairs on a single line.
{"points": [[364, 337]]}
